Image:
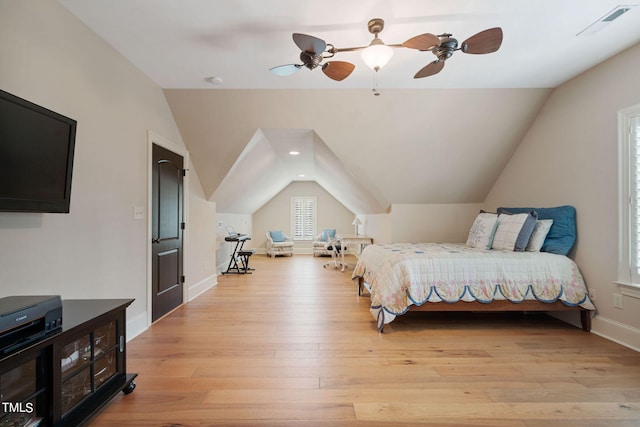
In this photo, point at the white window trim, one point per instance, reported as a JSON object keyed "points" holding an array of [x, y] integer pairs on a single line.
{"points": [[313, 201], [627, 277]]}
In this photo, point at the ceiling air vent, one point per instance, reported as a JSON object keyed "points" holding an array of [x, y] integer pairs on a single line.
{"points": [[608, 18]]}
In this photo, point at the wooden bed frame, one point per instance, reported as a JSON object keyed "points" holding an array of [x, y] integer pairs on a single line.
{"points": [[498, 306]]}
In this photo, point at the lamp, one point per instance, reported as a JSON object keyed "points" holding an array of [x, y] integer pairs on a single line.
{"points": [[377, 54], [356, 222]]}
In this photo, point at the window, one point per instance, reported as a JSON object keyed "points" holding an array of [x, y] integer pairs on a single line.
{"points": [[629, 196], [303, 218]]}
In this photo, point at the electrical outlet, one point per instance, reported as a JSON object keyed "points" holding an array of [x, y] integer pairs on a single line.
{"points": [[617, 301], [592, 294]]}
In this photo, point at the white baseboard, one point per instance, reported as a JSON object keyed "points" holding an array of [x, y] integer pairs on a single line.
{"points": [[136, 325], [617, 332], [202, 286], [296, 251]]}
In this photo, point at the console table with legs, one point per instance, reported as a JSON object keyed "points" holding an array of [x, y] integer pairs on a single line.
{"points": [[351, 240]]}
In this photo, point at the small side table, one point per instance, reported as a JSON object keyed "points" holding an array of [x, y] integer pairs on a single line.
{"points": [[352, 239]]}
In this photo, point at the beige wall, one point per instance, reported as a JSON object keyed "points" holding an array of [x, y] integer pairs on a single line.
{"points": [[432, 223], [377, 227], [276, 215], [98, 250], [569, 156]]}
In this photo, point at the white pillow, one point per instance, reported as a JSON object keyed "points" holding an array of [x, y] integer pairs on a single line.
{"points": [[482, 230], [508, 230], [540, 232]]}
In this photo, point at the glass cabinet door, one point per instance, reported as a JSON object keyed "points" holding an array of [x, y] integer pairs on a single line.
{"points": [[20, 390], [105, 353], [88, 362], [75, 365]]}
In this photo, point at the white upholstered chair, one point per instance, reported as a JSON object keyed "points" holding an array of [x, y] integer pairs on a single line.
{"points": [[279, 243], [320, 247], [321, 241]]}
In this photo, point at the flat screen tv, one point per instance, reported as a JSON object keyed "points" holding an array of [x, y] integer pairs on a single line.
{"points": [[36, 157]]}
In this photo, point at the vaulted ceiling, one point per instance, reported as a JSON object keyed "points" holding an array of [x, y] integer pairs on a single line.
{"points": [[440, 139], [276, 157], [405, 146]]}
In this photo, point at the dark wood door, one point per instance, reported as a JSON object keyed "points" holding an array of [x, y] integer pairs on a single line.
{"points": [[167, 230]]}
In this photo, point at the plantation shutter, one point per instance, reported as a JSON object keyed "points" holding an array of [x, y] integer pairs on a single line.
{"points": [[634, 198], [303, 218]]}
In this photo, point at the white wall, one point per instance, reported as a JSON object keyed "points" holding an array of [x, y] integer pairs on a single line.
{"points": [[276, 214], [97, 250], [569, 156], [202, 230]]}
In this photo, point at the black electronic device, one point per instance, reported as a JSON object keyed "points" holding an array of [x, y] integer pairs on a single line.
{"points": [[36, 148], [26, 319]]}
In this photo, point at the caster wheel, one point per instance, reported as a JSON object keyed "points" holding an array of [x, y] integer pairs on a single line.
{"points": [[128, 389]]}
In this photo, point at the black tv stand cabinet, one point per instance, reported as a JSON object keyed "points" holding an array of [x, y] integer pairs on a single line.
{"points": [[66, 378]]}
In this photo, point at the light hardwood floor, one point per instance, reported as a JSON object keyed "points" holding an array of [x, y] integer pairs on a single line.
{"points": [[293, 345]]}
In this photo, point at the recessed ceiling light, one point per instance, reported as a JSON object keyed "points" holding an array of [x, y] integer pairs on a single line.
{"points": [[294, 153], [301, 175]]}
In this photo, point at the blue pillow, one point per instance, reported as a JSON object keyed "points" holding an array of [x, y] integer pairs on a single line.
{"points": [[562, 235], [277, 236], [328, 235]]}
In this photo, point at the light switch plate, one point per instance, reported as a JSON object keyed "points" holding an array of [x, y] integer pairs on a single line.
{"points": [[138, 212]]}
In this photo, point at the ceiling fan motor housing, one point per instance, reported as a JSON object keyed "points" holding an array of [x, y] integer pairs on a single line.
{"points": [[446, 48], [310, 60]]}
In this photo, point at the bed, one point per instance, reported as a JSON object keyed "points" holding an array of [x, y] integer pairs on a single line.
{"points": [[528, 270]]}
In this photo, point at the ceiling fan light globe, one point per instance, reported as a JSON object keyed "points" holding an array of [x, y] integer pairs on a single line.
{"points": [[377, 54]]}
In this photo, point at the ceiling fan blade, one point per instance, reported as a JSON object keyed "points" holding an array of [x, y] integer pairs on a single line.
{"points": [[309, 43], [422, 42], [338, 70], [486, 41], [285, 70], [429, 70]]}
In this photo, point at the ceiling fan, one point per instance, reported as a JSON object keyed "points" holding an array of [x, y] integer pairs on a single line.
{"points": [[443, 46], [314, 51]]}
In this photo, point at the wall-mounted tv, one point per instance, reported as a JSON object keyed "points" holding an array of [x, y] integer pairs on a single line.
{"points": [[36, 157]]}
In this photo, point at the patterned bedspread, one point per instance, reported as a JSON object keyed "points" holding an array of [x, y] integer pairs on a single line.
{"points": [[399, 275]]}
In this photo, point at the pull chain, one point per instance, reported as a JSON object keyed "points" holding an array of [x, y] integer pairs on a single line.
{"points": [[375, 84]]}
